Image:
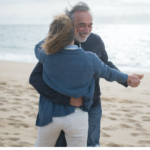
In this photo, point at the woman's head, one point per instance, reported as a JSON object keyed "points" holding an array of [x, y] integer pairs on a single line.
{"points": [[61, 34]]}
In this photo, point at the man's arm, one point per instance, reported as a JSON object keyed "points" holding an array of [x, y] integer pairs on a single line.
{"points": [[42, 88], [36, 80]]}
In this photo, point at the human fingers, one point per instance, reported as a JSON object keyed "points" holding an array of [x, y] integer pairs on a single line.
{"points": [[76, 101], [140, 76], [135, 82]]}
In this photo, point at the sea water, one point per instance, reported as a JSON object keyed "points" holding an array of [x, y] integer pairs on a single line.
{"points": [[127, 45]]}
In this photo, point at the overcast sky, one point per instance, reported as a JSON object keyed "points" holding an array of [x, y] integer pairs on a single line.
{"points": [[104, 11]]}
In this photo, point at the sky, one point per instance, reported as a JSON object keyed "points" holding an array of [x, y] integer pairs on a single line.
{"points": [[104, 11]]}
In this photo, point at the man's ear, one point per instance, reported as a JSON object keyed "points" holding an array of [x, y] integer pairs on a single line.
{"points": [[75, 31]]}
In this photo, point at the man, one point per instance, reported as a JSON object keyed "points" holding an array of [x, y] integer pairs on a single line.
{"points": [[81, 16]]}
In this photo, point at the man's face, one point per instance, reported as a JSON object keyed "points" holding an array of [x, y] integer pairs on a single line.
{"points": [[83, 22]]}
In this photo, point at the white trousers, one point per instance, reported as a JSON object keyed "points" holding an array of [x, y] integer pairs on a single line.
{"points": [[74, 125]]}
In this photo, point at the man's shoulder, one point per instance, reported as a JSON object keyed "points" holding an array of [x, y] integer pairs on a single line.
{"points": [[94, 38], [94, 35]]}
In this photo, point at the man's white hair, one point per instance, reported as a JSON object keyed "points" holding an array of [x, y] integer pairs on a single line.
{"points": [[80, 6]]}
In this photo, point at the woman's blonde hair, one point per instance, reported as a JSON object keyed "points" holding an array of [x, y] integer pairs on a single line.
{"points": [[61, 34]]}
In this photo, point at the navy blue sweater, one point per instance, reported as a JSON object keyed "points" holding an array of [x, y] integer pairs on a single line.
{"points": [[94, 44]]}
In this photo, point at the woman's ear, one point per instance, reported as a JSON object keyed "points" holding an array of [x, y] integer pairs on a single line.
{"points": [[75, 31]]}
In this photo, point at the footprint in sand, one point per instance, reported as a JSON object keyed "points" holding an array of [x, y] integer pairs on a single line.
{"points": [[114, 145], [2, 98], [137, 106], [107, 99], [127, 115], [115, 114], [3, 109], [15, 145], [16, 103], [130, 120], [22, 144], [125, 126], [12, 139], [126, 101], [138, 112], [124, 110], [26, 144], [1, 103], [35, 103], [3, 83], [145, 118], [144, 142], [35, 96], [17, 95], [110, 128], [111, 118], [26, 112], [138, 125], [33, 115], [19, 125], [105, 135], [18, 86], [16, 133], [140, 129], [1, 144], [30, 88], [16, 117], [18, 99], [135, 134]]}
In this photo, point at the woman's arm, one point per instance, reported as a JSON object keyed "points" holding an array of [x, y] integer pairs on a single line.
{"points": [[102, 70], [104, 58], [39, 52]]}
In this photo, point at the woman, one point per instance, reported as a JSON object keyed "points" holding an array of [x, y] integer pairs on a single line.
{"points": [[71, 71]]}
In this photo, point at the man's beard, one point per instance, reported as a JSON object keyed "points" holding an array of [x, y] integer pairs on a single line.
{"points": [[80, 39]]}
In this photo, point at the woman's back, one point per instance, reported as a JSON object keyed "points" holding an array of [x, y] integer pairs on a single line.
{"points": [[70, 72]]}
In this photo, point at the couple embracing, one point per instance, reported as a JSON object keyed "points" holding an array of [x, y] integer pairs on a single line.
{"points": [[71, 62]]}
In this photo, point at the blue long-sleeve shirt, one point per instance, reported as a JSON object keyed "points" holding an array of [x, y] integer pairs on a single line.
{"points": [[72, 73]]}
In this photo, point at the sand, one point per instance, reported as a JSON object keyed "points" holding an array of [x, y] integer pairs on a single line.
{"points": [[126, 111]]}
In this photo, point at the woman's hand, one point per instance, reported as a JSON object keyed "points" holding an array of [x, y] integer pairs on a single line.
{"points": [[134, 80]]}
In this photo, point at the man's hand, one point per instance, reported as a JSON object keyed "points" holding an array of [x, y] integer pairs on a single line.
{"points": [[134, 80], [76, 101]]}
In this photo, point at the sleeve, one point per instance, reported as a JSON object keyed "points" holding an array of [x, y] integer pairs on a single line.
{"points": [[104, 58], [102, 70], [39, 52]]}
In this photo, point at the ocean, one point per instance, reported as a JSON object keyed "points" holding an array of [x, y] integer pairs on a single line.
{"points": [[127, 45]]}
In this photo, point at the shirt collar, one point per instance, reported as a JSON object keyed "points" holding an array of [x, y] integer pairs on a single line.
{"points": [[71, 47]]}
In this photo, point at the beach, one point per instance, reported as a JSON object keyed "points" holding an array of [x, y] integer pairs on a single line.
{"points": [[126, 111]]}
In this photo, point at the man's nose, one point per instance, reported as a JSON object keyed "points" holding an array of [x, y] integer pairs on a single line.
{"points": [[86, 30]]}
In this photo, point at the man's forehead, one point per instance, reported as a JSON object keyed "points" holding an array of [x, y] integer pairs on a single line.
{"points": [[82, 15]]}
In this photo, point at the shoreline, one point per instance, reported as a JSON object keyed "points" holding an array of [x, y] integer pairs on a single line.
{"points": [[123, 69], [125, 120]]}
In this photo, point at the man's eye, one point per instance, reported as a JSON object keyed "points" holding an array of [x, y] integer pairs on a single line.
{"points": [[82, 25]]}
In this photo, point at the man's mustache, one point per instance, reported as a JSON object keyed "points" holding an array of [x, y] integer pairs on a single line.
{"points": [[84, 33]]}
